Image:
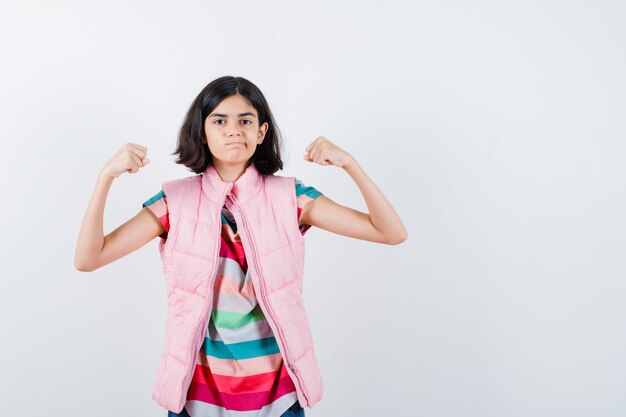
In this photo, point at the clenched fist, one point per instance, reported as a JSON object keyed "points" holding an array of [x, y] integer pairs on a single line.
{"points": [[129, 158], [324, 152]]}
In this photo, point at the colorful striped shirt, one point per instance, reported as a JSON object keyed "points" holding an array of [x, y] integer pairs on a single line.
{"points": [[239, 368]]}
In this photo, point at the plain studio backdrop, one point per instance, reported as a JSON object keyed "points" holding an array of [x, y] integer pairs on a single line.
{"points": [[495, 128]]}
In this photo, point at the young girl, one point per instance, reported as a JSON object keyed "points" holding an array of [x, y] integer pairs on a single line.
{"points": [[237, 339]]}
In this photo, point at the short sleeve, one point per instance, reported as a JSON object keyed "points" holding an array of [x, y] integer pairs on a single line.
{"points": [[304, 195], [158, 205]]}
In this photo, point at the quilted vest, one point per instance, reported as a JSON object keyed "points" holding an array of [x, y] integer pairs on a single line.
{"points": [[264, 207]]}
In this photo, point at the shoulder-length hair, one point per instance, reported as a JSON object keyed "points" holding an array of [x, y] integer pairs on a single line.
{"points": [[192, 148]]}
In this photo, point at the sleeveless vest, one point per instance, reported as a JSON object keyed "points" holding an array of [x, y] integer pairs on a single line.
{"points": [[264, 208]]}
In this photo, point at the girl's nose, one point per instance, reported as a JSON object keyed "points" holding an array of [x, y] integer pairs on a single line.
{"points": [[233, 131]]}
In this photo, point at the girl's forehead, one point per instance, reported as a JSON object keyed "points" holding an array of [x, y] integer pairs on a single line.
{"points": [[236, 100], [234, 106]]}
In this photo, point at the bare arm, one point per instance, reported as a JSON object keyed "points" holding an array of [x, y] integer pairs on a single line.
{"points": [[93, 249], [382, 224]]}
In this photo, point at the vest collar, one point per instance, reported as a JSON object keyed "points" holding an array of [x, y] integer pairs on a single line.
{"points": [[245, 187]]}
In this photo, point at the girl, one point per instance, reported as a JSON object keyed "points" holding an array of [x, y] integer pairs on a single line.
{"points": [[237, 339]]}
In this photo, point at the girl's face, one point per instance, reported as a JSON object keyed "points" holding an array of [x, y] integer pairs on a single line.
{"points": [[233, 132]]}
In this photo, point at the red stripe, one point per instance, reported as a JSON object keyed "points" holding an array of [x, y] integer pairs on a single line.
{"points": [[165, 220], [240, 402], [299, 213], [238, 384], [234, 251]]}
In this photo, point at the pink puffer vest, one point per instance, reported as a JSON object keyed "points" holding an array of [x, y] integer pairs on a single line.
{"points": [[265, 210]]}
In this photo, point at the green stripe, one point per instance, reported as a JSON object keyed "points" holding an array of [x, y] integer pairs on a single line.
{"points": [[233, 225], [154, 199], [309, 191], [232, 320], [242, 350]]}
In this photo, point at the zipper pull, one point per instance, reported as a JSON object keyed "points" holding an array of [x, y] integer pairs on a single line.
{"points": [[293, 369]]}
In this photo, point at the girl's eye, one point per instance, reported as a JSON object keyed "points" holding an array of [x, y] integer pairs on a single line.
{"points": [[221, 120]]}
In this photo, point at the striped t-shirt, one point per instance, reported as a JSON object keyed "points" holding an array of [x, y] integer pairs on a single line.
{"points": [[239, 369]]}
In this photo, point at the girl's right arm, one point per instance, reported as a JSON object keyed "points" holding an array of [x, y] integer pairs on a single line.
{"points": [[93, 249]]}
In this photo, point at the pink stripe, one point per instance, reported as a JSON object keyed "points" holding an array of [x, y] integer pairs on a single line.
{"points": [[231, 285], [302, 200], [159, 207], [242, 367]]}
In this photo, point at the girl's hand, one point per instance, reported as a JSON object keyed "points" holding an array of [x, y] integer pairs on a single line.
{"points": [[324, 152], [129, 159]]}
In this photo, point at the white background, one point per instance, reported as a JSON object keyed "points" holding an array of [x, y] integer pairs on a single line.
{"points": [[495, 128]]}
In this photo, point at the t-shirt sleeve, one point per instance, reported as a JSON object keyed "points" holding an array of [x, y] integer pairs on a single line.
{"points": [[158, 205], [304, 195]]}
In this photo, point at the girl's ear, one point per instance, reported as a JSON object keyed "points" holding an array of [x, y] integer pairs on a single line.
{"points": [[262, 132]]}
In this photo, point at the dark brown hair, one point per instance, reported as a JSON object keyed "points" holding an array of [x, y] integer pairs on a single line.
{"points": [[192, 149]]}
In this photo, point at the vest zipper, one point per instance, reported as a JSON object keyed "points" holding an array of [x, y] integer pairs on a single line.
{"points": [[206, 314], [267, 305]]}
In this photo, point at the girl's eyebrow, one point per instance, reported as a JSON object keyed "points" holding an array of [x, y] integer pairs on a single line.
{"points": [[225, 115]]}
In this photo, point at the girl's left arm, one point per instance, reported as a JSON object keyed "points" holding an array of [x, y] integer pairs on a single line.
{"points": [[382, 224]]}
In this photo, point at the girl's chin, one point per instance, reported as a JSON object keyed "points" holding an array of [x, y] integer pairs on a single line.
{"points": [[233, 161]]}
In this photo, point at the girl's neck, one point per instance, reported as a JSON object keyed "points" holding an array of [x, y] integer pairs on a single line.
{"points": [[229, 173]]}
